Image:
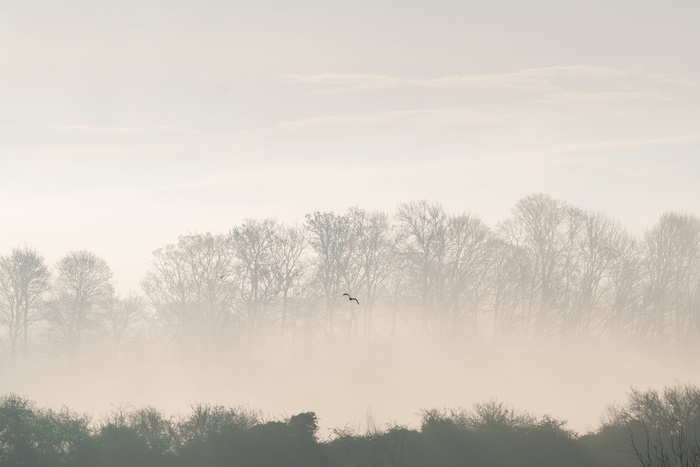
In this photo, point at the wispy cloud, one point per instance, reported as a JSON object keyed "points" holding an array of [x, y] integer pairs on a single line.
{"points": [[113, 129], [613, 144], [471, 116], [94, 129], [536, 79]]}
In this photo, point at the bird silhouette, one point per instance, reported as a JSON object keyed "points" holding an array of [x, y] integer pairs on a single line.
{"points": [[352, 298]]}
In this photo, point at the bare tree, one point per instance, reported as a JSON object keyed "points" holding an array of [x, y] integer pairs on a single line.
{"points": [[376, 255], [663, 426], [626, 292], [466, 272], [24, 279], [82, 293], [191, 287], [423, 245], [509, 286], [123, 315], [255, 245], [671, 252], [291, 264], [546, 229], [334, 239], [600, 245]]}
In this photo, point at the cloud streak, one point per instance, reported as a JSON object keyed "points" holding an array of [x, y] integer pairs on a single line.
{"points": [[533, 79]]}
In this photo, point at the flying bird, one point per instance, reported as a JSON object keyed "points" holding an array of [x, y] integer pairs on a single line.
{"points": [[352, 298]]}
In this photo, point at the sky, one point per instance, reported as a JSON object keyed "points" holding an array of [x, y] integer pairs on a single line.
{"points": [[125, 124]]}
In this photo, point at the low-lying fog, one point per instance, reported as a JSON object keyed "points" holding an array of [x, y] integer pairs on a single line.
{"points": [[345, 386]]}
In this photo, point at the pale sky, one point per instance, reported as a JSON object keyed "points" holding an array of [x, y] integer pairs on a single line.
{"points": [[125, 124]]}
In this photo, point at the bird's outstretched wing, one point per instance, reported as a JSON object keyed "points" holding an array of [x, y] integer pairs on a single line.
{"points": [[358, 302], [347, 294]]}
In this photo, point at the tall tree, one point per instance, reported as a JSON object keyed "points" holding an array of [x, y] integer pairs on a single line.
{"points": [[466, 271], [191, 286], [671, 252], [255, 245], [600, 245], [291, 264], [82, 292], [509, 284], [24, 279], [334, 239], [423, 244], [376, 256], [123, 315], [547, 229]]}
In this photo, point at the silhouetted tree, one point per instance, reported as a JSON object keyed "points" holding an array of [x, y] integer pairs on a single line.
{"points": [[123, 315], [423, 245], [24, 280], [82, 292], [671, 251], [290, 272], [376, 254], [547, 230], [467, 266], [191, 287], [255, 245], [334, 239]]}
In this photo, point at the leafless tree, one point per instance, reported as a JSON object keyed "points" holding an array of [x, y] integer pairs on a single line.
{"points": [[671, 251], [82, 292], [423, 246], [626, 293], [546, 228], [256, 251], [24, 280], [376, 255], [123, 315], [600, 245], [467, 265], [334, 239], [663, 427], [509, 273], [290, 271], [191, 287]]}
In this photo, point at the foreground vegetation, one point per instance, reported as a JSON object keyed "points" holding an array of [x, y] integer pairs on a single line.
{"points": [[651, 429]]}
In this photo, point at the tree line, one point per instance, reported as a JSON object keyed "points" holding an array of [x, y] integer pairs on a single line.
{"points": [[550, 269], [651, 429]]}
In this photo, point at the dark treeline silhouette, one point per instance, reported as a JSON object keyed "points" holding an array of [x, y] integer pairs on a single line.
{"points": [[549, 270], [652, 429]]}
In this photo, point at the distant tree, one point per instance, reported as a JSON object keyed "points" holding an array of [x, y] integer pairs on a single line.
{"points": [[290, 272], [467, 264], [423, 237], [376, 254], [24, 280], [625, 295], [123, 315], [509, 285], [601, 244], [671, 252], [191, 286], [334, 238], [82, 293], [547, 229], [256, 250]]}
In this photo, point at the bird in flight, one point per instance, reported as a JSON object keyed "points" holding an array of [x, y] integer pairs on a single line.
{"points": [[352, 298]]}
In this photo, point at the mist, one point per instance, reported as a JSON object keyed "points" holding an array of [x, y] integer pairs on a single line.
{"points": [[555, 310], [192, 193]]}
